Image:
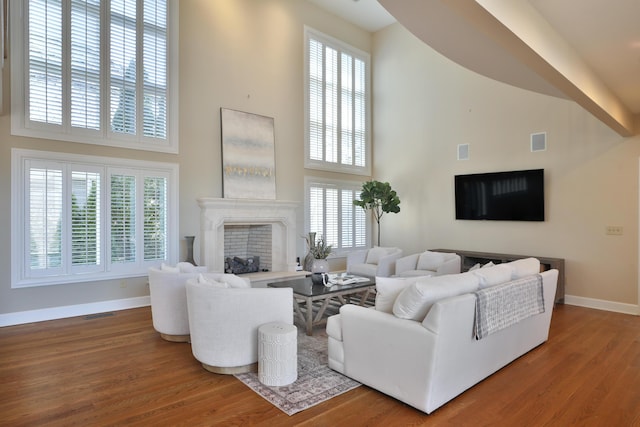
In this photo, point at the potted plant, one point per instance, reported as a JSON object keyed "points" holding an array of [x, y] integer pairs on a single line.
{"points": [[316, 259], [380, 198]]}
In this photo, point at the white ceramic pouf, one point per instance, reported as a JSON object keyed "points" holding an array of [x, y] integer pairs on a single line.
{"points": [[277, 354]]}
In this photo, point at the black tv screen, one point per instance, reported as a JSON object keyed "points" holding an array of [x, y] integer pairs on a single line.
{"points": [[501, 196]]}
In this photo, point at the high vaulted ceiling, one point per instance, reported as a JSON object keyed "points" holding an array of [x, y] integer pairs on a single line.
{"points": [[584, 50]]}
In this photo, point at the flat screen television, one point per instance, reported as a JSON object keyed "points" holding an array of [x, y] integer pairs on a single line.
{"points": [[501, 196]]}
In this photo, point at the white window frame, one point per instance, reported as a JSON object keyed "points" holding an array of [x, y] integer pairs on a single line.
{"points": [[356, 187], [337, 166], [22, 126], [20, 273]]}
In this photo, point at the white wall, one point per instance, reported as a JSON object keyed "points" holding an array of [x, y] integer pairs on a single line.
{"points": [[425, 106]]}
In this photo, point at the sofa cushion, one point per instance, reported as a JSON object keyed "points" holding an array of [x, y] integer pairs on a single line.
{"points": [[388, 289], [210, 281], [491, 276], [169, 269], [430, 261], [374, 255], [415, 300], [524, 267], [416, 273], [186, 267]]}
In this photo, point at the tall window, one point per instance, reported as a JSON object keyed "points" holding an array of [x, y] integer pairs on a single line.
{"points": [[331, 213], [82, 218], [337, 105], [95, 71]]}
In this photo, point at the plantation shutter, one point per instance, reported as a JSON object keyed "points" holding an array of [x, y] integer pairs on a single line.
{"points": [[333, 216], [45, 62], [155, 219], [337, 104], [45, 211], [123, 218], [85, 219]]}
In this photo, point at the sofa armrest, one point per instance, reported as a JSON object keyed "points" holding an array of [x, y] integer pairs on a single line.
{"points": [[392, 355], [407, 263], [387, 264], [450, 266]]}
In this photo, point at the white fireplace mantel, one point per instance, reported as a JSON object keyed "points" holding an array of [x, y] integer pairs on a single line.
{"points": [[215, 213]]}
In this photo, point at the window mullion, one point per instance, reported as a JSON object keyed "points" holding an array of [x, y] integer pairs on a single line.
{"points": [[66, 66]]}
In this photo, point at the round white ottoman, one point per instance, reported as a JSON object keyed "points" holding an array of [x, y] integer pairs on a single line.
{"points": [[277, 354]]}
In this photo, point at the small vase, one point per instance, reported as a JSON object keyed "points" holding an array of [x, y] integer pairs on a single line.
{"points": [[190, 240], [320, 266]]}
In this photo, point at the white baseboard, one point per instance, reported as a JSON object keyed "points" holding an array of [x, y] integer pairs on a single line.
{"points": [[21, 317], [600, 304]]}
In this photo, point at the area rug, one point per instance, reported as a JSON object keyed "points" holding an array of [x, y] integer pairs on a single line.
{"points": [[316, 382]]}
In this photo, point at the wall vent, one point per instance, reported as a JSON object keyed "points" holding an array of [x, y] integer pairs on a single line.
{"points": [[538, 141], [463, 151]]}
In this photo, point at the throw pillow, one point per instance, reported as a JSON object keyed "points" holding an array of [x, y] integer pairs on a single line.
{"points": [[186, 267], [524, 267], [388, 289], [492, 276], [430, 261], [234, 281], [415, 301], [169, 269], [489, 264], [475, 267], [374, 255], [209, 281]]}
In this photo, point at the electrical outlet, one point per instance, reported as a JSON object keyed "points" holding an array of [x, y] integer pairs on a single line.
{"points": [[613, 230]]}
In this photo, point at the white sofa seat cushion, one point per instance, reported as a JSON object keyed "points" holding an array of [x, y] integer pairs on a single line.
{"points": [[368, 270], [430, 261], [415, 300]]}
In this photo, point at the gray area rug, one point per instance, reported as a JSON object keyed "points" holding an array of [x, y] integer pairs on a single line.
{"points": [[316, 382]]}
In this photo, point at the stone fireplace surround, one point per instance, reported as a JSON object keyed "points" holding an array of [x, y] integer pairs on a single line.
{"points": [[215, 213]]}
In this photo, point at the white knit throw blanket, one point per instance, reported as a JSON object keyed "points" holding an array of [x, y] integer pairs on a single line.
{"points": [[500, 306]]}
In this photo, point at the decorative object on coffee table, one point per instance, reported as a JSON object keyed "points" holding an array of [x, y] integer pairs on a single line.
{"points": [[380, 198]]}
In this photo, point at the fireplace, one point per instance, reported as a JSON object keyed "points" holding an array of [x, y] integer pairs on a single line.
{"points": [[220, 217]]}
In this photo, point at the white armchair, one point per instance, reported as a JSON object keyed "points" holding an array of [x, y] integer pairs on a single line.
{"points": [[224, 322], [428, 263], [169, 300], [377, 261]]}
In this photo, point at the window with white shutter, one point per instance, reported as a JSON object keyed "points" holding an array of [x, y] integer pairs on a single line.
{"points": [[96, 71], [63, 206], [336, 105], [330, 213]]}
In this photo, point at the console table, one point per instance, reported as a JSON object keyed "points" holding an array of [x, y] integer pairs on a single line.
{"points": [[470, 258]]}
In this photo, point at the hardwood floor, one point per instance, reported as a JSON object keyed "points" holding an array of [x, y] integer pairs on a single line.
{"points": [[116, 370]]}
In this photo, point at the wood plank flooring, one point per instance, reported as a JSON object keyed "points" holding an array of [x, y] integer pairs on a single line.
{"points": [[116, 370]]}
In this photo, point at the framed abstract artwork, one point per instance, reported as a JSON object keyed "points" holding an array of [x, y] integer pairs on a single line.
{"points": [[248, 155]]}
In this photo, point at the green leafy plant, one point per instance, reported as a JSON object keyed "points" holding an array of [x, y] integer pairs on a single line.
{"points": [[380, 198], [320, 250]]}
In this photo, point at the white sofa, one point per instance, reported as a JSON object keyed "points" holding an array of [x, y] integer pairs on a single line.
{"points": [[377, 261], [428, 263], [429, 359]]}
